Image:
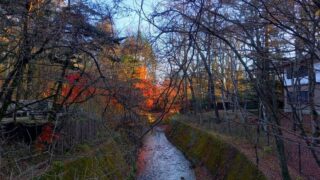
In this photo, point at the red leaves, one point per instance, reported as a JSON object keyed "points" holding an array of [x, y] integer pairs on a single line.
{"points": [[77, 88], [72, 78], [46, 137]]}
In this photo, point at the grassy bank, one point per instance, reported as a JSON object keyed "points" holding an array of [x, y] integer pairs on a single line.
{"points": [[221, 159], [105, 161]]}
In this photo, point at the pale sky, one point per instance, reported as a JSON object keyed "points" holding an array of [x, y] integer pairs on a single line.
{"points": [[127, 22]]}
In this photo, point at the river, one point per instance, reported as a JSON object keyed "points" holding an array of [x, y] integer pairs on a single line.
{"points": [[159, 160]]}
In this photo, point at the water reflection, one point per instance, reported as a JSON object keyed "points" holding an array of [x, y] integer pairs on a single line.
{"points": [[160, 160]]}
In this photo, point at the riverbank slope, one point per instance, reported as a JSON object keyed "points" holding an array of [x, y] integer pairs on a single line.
{"points": [[221, 159], [106, 160]]}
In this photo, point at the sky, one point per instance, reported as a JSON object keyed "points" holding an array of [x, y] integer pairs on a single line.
{"points": [[127, 22], [125, 13]]}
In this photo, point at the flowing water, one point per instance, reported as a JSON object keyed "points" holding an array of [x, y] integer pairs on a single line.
{"points": [[160, 160]]}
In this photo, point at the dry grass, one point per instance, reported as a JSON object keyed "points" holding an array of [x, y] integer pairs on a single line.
{"points": [[243, 136]]}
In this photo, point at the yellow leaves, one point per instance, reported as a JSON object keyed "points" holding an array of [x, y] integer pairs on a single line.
{"points": [[318, 13], [106, 26], [33, 3], [3, 40]]}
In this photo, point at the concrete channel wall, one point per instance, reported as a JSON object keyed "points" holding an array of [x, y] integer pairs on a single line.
{"points": [[221, 159]]}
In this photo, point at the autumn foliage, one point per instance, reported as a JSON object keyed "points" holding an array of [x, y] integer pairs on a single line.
{"points": [[77, 88], [46, 137], [148, 89]]}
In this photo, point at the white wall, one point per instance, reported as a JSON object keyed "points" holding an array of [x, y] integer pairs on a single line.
{"points": [[303, 80]]}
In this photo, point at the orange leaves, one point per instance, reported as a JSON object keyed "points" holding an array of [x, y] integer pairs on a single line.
{"points": [[140, 72], [145, 86]]}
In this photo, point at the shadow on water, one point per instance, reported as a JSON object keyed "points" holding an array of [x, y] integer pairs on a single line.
{"points": [[160, 160]]}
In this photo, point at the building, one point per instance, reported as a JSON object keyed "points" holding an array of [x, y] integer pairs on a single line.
{"points": [[296, 87]]}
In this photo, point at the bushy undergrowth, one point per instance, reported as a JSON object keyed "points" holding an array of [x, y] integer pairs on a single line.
{"points": [[86, 148]]}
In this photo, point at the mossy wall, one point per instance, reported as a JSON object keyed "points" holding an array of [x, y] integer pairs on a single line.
{"points": [[105, 162], [221, 159]]}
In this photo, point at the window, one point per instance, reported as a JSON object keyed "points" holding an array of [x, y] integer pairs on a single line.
{"points": [[301, 71], [301, 97]]}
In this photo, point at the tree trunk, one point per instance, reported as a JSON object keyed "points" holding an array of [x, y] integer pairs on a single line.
{"points": [[212, 97]]}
